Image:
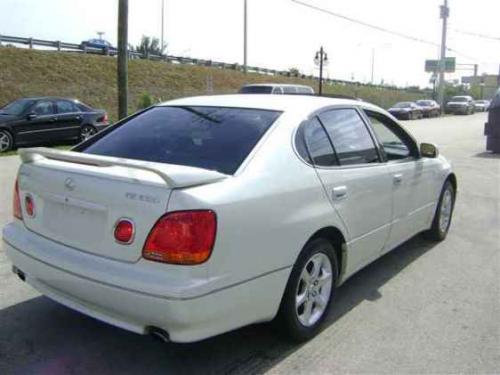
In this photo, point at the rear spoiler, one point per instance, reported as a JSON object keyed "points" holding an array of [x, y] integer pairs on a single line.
{"points": [[175, 176]]}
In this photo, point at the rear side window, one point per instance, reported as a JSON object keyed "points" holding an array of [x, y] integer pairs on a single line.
{"points": [[318, 145], [64, 106], [289, 89], [350, 137], [213, 138]]}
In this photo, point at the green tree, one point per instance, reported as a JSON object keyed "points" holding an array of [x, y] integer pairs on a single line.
{"points": [[151, 46]]}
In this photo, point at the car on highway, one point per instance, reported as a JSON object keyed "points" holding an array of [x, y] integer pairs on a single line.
{"points": [[406, 111], [460, 105], [202, 215], [275, 88], [45, 120], [430, 108], [101, 44], [481, 105]]}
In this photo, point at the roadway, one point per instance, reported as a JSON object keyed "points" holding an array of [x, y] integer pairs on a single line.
{"points": [[423, 308]]}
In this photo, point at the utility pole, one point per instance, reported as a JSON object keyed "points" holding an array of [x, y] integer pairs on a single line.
{"points": [[245, 35], [445, 13], [122, 58], [162, 24]]}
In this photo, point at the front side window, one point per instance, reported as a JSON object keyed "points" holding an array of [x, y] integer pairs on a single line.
{"points": [[214, 138], [351, 139], [43, 109], [289, 89], [395, 145]]}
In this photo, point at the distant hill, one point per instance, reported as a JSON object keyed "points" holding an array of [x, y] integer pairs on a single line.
{"points": [[92, 79]]}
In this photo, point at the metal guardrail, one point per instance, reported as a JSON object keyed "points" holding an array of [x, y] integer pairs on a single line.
{"points": [[82, 48]]}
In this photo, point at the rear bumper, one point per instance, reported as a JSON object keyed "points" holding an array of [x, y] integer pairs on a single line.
{"points": [[186, 317]]}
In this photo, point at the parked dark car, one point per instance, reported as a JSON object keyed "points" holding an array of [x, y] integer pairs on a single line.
{"points": [[406, 111], [101, 44], [37, 121], [463, 105], [430, 107]]}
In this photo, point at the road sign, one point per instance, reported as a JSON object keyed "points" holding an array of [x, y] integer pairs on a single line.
{"points": [[432, 66]]}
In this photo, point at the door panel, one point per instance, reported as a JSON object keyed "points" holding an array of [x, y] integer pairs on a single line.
{"points": [[38, 129], [362, 197], [69, 120]]}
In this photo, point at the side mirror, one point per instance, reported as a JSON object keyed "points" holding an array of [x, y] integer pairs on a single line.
{"points": [[428, 150], [31, 116]]}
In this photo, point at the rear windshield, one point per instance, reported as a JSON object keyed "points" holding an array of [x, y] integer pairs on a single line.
{"points": [[256, 90], [459, 99], [424, 102], [402, 105], [213, 138]]}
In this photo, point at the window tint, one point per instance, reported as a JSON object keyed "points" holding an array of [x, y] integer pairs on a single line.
{"points": [[277, 90], [44, 108], [17, 107], [351, 139], [394, 146], [64, 106], [256, 90], [206, 137], [318, 144]]}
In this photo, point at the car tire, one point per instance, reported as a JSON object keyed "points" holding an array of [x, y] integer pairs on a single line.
{"points": [[86, 132], [443, 215], [6, 141], [312, 281]]}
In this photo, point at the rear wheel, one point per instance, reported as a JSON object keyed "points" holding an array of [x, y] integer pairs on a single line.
{"points": [[309, 291], [444, 212], [87, 132], [6, 141]]}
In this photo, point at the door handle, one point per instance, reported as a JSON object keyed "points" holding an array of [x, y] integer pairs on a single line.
{"points": [[398, 179], [339, 192]]}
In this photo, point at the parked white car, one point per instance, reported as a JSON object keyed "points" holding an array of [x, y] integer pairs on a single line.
{"points": [[202, 215], [276, 89]]}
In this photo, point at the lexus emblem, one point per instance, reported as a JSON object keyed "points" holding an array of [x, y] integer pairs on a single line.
{"points": [[69, 184]]}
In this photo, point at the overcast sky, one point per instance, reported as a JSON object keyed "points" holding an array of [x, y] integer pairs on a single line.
{"points": [[282, 34]]}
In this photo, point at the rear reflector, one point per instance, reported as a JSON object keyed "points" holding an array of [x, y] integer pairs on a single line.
{"points": [[30, 205], [124, 231], [16, 203], [184, 237]]}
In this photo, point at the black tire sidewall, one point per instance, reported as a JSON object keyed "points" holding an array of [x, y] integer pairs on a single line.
{"points": [[287, 316]]}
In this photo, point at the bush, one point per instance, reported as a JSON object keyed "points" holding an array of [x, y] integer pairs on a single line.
{"points": [[145, 100]]}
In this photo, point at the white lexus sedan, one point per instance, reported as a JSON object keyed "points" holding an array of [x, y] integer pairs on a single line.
{"points": [[202, 215]]}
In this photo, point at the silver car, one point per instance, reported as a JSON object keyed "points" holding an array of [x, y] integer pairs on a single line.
{"points": [[202, 215]]}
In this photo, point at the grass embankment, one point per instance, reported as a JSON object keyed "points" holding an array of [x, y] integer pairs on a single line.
{"points": [[92, 79]]}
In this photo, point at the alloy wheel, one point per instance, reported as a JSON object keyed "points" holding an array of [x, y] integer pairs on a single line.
{"points": [[314, 289], [87, 132], [5, 141], [446, 210]]}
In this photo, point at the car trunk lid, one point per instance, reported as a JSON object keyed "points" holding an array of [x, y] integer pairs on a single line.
{"points": [[79, 198]]}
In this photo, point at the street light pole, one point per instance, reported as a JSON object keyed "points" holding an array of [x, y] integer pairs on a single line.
{"points": [[445, 13], [122, 58], [245, 35]]}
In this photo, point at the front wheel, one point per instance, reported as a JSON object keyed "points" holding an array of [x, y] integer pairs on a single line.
{"points": [[444, 212], [6, 141], [309, 291], [87, 132]]}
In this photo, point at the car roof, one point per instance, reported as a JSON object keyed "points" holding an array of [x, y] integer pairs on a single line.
{"points": [[38, 98], [285, 103]]}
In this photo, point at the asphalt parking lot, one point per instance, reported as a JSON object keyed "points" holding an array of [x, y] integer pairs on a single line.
{"points": [[423, 308]]}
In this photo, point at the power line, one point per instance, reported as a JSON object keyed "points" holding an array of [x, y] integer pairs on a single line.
{"points": [[477, 35], [381, 29]]}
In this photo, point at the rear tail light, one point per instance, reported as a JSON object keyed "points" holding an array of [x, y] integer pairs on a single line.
{"points": [[16, 203], [105, 118], [184, 237]]}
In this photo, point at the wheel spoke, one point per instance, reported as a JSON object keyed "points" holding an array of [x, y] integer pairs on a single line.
{"points": [[306, 315], [300, 299], [325, 278], [320, 301]]}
